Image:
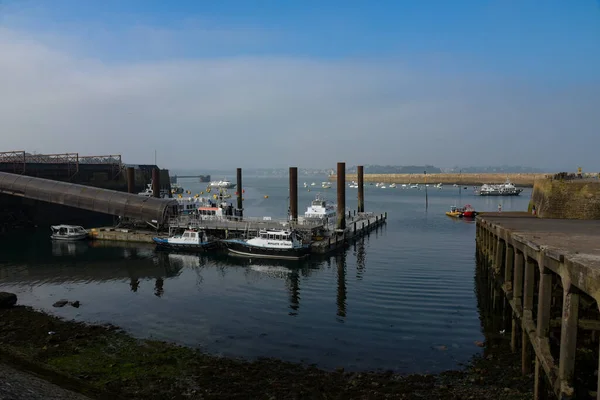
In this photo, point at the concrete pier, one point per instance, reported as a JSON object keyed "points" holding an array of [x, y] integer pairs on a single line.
{"points": [[545, 275], [294, 193], [341, 196], [361, 188]]}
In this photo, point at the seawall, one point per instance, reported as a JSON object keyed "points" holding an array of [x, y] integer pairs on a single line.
{"points": [[568, 199], [521, 179]]}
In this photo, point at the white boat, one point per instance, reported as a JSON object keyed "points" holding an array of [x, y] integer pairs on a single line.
{"points": [[505, 189], [439, 186], [225, 184], [382, 187], [325, 185], [393, 185], [270, 243], [320, 210], [189, 240], [415, 186], [305, 184], [313, 184], [68, 232]]}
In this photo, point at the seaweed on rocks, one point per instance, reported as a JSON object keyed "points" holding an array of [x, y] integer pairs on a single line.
{"points": [[105, 362]]}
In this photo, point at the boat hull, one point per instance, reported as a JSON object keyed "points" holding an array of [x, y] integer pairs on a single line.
{"points": [[454, 214], [163, 244], [239, 247], [499, 194], [81, 236]]}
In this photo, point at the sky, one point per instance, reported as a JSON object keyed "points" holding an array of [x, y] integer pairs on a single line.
{"points": [[222, 84]]}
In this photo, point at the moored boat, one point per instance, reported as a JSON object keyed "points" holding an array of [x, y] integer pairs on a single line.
{"points": [[68, 232], [454, 212], [505, 189], [462, 212], [320, 210], [270, 243], [189, 240], [225, 184]]}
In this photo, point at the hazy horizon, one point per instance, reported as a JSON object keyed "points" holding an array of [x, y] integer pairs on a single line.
{"points": [[228, 84]]}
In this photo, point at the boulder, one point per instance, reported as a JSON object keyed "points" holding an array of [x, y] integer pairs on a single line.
{"points": [[60, 303], [7, 300]]}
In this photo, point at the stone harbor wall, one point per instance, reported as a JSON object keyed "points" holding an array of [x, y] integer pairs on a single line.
{"points": [[566, 199]]}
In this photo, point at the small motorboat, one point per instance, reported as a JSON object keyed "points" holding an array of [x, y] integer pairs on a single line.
{"points": [[190, 240], [270, 243], [68, 232], [454, 212], [468, 211], [393, 185], [462, 212]]}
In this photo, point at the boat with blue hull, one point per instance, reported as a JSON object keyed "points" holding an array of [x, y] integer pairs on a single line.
{"points": [[190, 240], [270, 243]]}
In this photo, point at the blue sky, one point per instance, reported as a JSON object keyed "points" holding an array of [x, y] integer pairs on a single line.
{"points": [[380, 59]]}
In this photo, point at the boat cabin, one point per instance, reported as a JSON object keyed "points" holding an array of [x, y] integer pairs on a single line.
{"points": [[65, 230], [276, 238], [320, 209]]}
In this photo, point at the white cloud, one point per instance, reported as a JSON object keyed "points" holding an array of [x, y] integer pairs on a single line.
{"points": [[280, 111]]}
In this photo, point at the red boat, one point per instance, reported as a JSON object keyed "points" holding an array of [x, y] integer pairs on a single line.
{"points": [[462, 212], [468, 211]]}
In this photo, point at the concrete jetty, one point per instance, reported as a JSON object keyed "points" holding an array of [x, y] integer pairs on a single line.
{"points": [[544, 276]]}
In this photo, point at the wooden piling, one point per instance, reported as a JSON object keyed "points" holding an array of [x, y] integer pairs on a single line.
{"points": [[361, 188], [341, 195], [294, 193], [240, 193]]}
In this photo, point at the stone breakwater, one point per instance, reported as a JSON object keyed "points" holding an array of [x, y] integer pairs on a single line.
{"points": [[523, 180]]}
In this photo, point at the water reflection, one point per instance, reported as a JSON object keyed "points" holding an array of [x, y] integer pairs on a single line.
{"points": [[341, 286], [68, 249]]}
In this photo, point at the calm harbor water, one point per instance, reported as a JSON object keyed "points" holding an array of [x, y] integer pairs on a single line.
{"points": [[402, 298]]}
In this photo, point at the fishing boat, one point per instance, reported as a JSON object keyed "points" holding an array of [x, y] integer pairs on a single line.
{"points": [[68, 232], [325, 185], [189, 240], [270, 243]]}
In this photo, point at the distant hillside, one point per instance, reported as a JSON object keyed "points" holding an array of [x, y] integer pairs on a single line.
{"points": [[396, 169]]}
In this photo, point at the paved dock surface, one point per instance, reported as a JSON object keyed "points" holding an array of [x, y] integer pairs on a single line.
{"points": [[18, 385], [574, 238]]}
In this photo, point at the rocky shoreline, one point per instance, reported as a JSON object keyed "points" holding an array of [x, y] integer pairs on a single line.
{"points": [[105, 362]]}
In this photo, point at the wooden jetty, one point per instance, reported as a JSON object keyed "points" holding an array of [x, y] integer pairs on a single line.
{"points": [[544, 277]]}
